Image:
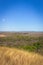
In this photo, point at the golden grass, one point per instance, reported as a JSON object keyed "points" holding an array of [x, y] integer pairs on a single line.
{"points": [[12, 56]]}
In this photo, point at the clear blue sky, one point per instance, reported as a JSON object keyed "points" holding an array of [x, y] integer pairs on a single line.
{"points": [[21, 15]]}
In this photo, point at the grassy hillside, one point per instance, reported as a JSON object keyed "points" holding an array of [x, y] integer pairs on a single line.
{"points": [[13, 56]]}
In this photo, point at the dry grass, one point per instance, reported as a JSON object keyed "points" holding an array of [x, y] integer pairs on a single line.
{"points": [[12, 56]]}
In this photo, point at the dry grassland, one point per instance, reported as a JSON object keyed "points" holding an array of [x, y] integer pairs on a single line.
{"points": [[13, 56]]}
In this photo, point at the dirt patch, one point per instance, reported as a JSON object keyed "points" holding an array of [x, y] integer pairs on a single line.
{"points": [[1, 35]]}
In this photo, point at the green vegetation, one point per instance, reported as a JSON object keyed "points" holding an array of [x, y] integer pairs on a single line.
{"points": [[37, 45], [23, 41]]}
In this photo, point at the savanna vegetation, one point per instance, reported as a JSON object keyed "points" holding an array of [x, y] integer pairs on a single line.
{"points": [[32, 41], [14, 56], [25, 48]]}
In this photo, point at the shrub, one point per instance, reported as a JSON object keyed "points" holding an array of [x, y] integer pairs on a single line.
{"points": [[37, 45]]}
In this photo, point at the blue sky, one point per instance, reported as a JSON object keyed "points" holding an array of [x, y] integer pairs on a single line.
{"points": [[21, 15]]}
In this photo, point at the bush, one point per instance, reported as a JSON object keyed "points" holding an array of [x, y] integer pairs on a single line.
{"points": [[37, 45]]}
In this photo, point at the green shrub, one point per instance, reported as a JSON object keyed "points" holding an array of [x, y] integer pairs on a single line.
{"points": [[37, 45]]}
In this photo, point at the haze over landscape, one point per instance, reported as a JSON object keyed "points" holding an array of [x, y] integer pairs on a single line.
{"points": [[21, 15]]}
